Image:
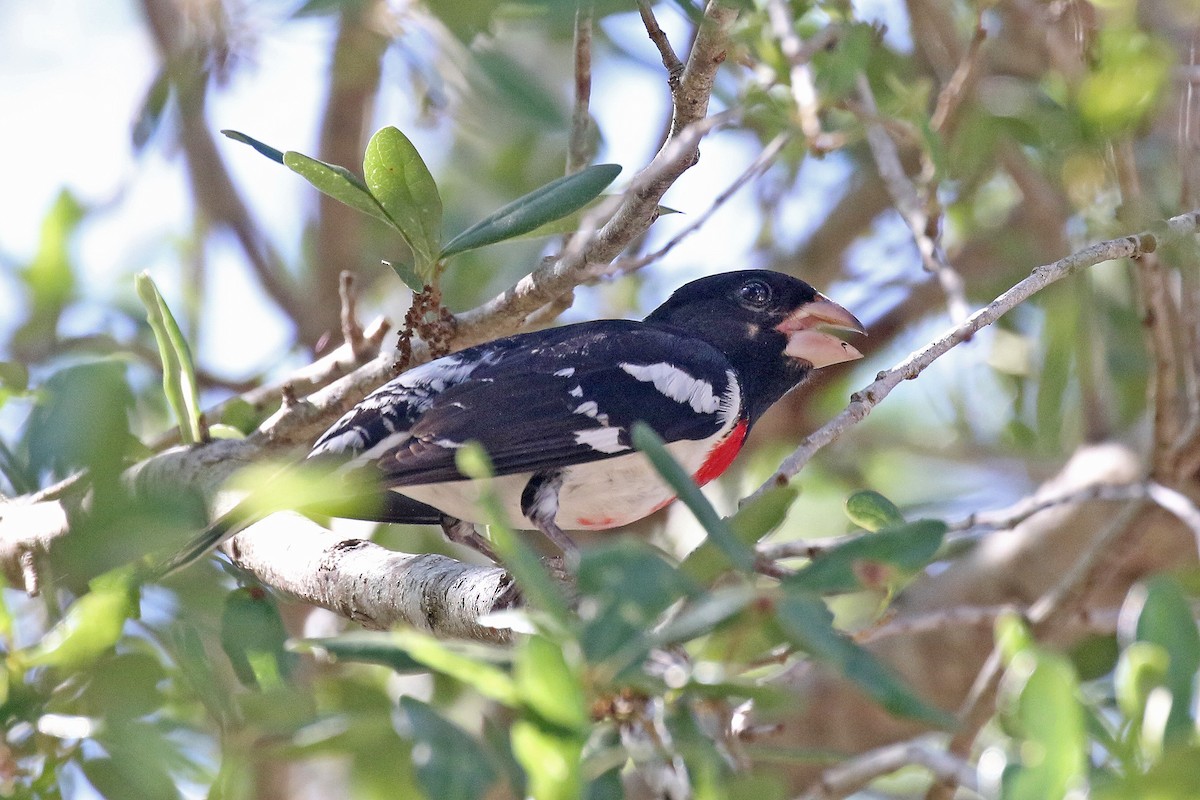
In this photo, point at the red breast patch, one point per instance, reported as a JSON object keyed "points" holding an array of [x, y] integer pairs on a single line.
{"points": [[721, 456]]}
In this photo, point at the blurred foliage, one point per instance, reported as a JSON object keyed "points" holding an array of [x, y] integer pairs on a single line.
{"points": [[204, 685]]}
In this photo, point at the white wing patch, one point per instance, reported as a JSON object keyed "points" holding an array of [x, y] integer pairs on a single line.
{"points": [[439, 374], [677, 385], [590, 409], [603, 440]]}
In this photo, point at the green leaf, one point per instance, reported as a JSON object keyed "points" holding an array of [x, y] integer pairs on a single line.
{"points": [[551, 760], [551, 686], [1141, 668], [808, 624], [872, 511], [265, 149], [750, 524], [464, 662], [338, 182], [703, 615], [81, 420], [49, 279], [406, 273], [906, 548], [626, 585], [1164, 617], [90, 628], [253, 638], [367, 647], [400, 181], [1038, 702], [553, 201], [179, 371], [719, 532], [449, 761], [1132, 69], [123, 686]]}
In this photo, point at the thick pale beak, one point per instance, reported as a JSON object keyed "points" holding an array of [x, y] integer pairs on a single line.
{"points": [[805, 339]]}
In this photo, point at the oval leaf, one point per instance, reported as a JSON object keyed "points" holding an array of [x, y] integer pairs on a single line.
{"points": [[265, 149], [553, 201], [449, 761], [906, 548], [872, 511], [808, 623], [400, 181], [338, 182]]}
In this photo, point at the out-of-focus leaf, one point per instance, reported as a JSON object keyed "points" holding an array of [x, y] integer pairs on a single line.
{"points": [[719, 532], [1094, 656], [116, 779], [449, 762], [253, 637], [809, 625], [551, 760], [625, 586], [1141, 668], [265, 149], [1164, 617], [709, 611], [535, 583], [150, 114], [553, 201], [751, 523], [549, 685], [123, 686], [873, 512], [497, 736], [400, 181], [469, 663], [49, 279], [88, 630], [520, 90], [1038, 700], [905, 548], [222, 431], [179, 372], [81, 421], [368, 647], [1132, 69]]}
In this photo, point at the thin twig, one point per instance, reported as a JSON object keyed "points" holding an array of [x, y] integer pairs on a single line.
{"points": [[916, 214], [863, 401], [671, 61], [800, 75], [854, 774], [352, 332], [1157, 312], [954, 92], [757, 167], [579, 147]]}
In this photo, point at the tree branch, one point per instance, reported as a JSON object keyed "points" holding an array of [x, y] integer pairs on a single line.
{"points": [[863, 401]]}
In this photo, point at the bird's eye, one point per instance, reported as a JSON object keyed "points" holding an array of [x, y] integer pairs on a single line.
{"points": [[754, 294]]}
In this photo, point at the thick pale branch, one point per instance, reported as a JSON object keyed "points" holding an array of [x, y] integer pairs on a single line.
{"points": [[373, 586]]}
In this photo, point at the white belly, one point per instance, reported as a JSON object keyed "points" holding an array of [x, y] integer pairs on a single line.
{"points": [[594, 496]]}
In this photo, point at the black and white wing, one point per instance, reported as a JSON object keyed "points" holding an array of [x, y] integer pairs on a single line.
{"points": [[540, 401]]}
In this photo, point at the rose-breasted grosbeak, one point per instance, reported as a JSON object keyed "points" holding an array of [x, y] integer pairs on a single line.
{"points": [[554, 408]]}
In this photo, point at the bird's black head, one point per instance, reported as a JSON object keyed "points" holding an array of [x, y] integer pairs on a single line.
{"points": [[768, 324]]}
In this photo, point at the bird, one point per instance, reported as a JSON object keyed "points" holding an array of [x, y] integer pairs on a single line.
{"points": [[554, 409]]}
